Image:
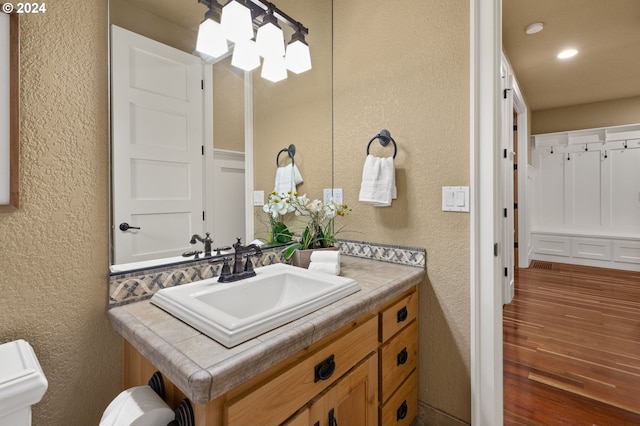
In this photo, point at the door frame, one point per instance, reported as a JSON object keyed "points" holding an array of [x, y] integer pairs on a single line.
{"points": [[485, 283]]}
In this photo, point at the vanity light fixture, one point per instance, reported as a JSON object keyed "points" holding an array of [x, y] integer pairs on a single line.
{"points": [[245, 55], [238, 18], [298, 58], [270, 39], [568, 53], [211, 42], [236, 21], [274, 69]]}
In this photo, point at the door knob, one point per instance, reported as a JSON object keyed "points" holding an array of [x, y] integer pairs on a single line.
{"points": [[124, 226]]}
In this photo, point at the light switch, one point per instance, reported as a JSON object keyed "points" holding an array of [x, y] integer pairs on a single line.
{"points": [[449, 198], [455, 198]]}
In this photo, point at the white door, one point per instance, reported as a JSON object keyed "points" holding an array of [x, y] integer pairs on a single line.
{"points": [[157, 125], [507, 160], [228, 197]]}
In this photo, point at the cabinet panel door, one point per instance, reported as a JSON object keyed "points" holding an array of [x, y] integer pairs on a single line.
{"points": [[398, 358], [352, 400], [587, 175], [625, 188], [274, 401], [551, 195]]}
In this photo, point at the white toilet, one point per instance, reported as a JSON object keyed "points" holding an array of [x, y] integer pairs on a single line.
{"points": [[22, 383]]}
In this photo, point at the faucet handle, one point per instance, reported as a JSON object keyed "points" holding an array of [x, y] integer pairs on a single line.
{"points": [[218, 250], [248, 265], [226, 269]]}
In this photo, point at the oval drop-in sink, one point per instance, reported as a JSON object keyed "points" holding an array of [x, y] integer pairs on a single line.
{"points": [[232, 313]]}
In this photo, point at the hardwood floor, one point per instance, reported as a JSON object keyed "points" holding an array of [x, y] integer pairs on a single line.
{"points": [[572, 347]]}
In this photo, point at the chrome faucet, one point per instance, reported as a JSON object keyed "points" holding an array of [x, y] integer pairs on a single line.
{"points": [[207, 241], [240, 271]]}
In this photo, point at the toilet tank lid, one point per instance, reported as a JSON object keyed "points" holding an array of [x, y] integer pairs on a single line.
{"points": [[22, 381]]}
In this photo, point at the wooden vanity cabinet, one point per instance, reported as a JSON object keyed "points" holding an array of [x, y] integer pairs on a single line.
{"points": [[361, 379], [398, 354]]}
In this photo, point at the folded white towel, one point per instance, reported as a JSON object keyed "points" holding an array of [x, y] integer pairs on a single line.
{"points": [[287, 177], [378, 181], [331, 256], [325, 267]]}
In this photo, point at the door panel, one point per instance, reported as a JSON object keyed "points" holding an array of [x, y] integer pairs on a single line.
{"points": [[157, 115]]}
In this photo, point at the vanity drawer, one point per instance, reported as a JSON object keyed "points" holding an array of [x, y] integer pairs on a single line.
{"points": [[402, 407], [398, 315], [273, 401], [398, 358]]}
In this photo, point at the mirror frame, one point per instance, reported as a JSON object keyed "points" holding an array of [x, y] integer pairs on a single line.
{"points": [[13, 101]]}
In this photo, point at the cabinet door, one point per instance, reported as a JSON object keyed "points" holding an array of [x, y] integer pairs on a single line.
{"points": [[352, 400]]}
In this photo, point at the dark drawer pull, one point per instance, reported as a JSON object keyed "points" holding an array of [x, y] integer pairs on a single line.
{"points": [[402, 411], [324, 369], [402, 356], [402, 314]]}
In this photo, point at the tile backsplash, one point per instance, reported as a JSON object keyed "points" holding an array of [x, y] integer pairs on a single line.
{"points": [[141, 284]]}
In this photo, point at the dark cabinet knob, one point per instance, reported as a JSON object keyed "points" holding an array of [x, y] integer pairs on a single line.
{"points": [[401, 413], [402, 356], [324, 369], [402, 314]]}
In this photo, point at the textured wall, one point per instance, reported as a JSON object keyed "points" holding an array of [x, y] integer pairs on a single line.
{"points": [[53, 255], [406, 68], [587, 116], [228, 106]]}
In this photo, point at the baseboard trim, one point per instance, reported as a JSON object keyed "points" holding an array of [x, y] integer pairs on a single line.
{"points": [[428, 416]]}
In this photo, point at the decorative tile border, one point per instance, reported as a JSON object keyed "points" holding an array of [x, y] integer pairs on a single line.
{"points": [[141, 284], [410, 256]]}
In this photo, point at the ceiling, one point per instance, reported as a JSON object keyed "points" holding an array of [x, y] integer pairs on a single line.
{"points": [[606, 34]]}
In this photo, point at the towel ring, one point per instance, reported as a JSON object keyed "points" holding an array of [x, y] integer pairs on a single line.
{"points": [[291, 150], [384, 137]]}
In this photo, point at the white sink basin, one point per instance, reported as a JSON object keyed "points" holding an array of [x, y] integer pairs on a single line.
{"points": [[232, 313]]}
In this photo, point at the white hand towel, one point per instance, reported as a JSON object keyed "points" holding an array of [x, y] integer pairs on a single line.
{"points": [[325, 267], [378, 181], [287, 177], [330, 256]]}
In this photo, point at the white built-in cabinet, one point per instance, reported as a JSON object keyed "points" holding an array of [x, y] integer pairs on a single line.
{"points": [[586, 207]]}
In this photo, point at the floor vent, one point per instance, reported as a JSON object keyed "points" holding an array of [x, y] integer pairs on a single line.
{"points": [[536, 264]]}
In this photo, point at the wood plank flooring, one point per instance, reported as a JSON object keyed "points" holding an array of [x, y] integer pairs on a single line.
{"points": [[572, 347]]}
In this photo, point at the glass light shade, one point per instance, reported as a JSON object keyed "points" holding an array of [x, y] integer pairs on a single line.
{"points": [[245, 55], [211, 40], [270, 40], [273, 69], [298, 58], [236, 22]]}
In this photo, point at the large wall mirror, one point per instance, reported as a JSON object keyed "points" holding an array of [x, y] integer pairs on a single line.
{"points": [[245, 121], [9, 110]]}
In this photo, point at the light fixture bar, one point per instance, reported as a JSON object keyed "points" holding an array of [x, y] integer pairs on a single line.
{"points": [[258, 9], [265, 5]]}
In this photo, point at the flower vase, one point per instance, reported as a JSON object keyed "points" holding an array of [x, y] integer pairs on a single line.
{"points": [[302, 258]]}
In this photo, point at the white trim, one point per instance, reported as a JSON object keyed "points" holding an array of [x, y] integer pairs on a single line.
{"points": [[486, 297], [523, 158], [248, 156], [209, 144]]}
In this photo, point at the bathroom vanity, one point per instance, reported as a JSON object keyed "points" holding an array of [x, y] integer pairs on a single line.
{"points": [[352, 362]]}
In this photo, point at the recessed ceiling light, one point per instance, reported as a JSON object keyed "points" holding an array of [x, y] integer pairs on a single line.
{"points": [[534, 28], [567, 53]]}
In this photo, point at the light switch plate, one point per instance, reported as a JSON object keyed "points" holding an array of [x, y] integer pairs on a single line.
{"points": [[455, 198], [258, 198], [337, 195]]}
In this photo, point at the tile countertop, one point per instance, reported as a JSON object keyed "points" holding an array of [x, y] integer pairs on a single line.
{"points": [[204, 369]]}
